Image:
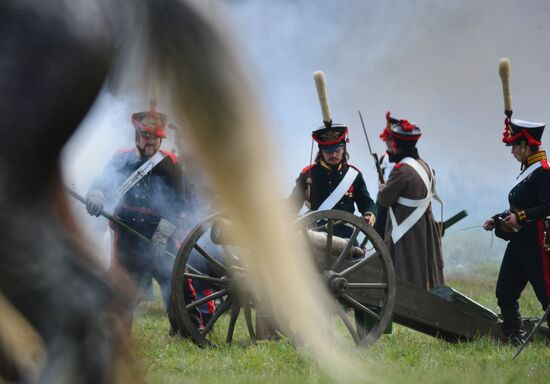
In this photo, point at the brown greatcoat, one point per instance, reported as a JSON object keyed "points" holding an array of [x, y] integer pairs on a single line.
{"points": [[417, 255]]}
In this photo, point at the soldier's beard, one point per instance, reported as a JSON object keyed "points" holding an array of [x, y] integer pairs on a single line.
{"points": [[147, 150]]}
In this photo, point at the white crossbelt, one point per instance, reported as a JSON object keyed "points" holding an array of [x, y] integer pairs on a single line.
{"points": [[140, 173], [339, 191], [527, 171], [421, 205]]}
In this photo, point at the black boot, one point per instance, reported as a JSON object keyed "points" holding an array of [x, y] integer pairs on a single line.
{"points": [[512, 327]]}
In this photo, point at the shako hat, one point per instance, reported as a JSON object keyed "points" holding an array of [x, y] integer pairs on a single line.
{"points": [[389, 121], [517, 131], [401, 131], [331, 137], [150, 122]]}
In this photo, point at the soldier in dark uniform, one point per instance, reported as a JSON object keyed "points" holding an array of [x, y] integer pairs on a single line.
{"points": [[523, 225], [145, 186], [316, 182]]}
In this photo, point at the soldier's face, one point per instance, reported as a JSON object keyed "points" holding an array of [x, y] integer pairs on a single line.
{"points": [[389, 145], [149, 145], [519, 153], [333, 156]]}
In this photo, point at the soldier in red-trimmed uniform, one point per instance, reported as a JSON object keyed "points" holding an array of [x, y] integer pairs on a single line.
{"points": [[316, 182], [317, 186], [411, 232], [146, 188], [526, 258]]}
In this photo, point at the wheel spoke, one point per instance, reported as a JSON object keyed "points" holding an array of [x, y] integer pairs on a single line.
{"points": [[235, 310], [210, 279], [249, 325], [219, 311], [367, 285], [357, 265], [328, 252], [346, 250], [360, 306], [194, 270], [206, 299], [211, 259], [342, 314]]}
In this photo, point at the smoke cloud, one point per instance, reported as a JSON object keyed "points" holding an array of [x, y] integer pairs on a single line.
{"points": [[431, 62]]}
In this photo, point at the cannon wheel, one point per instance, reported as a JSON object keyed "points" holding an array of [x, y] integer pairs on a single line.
{"points": [[367, 284], [221, 276]]}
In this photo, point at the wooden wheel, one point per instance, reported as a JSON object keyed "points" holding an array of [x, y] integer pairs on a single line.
{"points": [[199, 264], [358, 272]]}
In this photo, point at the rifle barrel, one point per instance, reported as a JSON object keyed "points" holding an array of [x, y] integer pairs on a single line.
{"points": [[365, 131], [374, 155], [455, 219]]}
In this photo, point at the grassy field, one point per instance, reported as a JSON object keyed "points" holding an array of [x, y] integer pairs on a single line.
{"points": [[405, 356]]}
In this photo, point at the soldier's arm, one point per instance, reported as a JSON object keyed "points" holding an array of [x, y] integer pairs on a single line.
{"points": [[541, 210], [364, 202], [394, 187], [297, 196], [179, 196]]}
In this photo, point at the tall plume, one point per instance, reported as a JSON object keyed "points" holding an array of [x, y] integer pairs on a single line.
{"points": [[504, 73], [321, 85]]}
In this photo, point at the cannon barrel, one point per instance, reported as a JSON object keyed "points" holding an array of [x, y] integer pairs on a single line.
{"points": [[221, 234]]}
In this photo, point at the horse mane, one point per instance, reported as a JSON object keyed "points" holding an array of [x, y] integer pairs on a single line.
{"points": [[53, 63]]}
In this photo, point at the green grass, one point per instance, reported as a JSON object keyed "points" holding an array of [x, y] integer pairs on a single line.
{"points": [[405, 356]]}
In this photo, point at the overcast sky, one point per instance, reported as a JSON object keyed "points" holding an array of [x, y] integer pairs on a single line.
{"points": [[432, 62]]}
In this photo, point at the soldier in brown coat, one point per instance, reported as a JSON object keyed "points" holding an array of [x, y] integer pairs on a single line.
{"points": [[411, 233]]}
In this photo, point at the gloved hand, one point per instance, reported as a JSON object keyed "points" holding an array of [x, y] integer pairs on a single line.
{"points": [[94, 202], [164, 230]]}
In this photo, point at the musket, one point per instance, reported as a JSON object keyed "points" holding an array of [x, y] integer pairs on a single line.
{"points": [[374, 155]]}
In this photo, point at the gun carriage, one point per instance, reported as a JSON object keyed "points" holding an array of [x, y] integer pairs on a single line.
{"points": [[358, 273]]}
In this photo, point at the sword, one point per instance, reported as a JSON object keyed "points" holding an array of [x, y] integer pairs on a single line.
{"points": [[544, 316]]}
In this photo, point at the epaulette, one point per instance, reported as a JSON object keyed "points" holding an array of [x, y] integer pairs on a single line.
{"points": [[307, 168], [353, 166], [544, 164], [170, 155], [398, 165]]}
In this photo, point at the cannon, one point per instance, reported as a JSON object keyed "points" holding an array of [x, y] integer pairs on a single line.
{"points": [[340, 263], [357, 271]]}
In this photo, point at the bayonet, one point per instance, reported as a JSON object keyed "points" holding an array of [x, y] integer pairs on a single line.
{"points": [[373, 154]]}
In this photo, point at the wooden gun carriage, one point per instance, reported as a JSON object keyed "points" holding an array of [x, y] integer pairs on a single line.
{"points": [[358, 272]]}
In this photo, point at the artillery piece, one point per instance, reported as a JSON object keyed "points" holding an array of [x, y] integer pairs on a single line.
{"points": [[358, 273], [340, 263]]}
